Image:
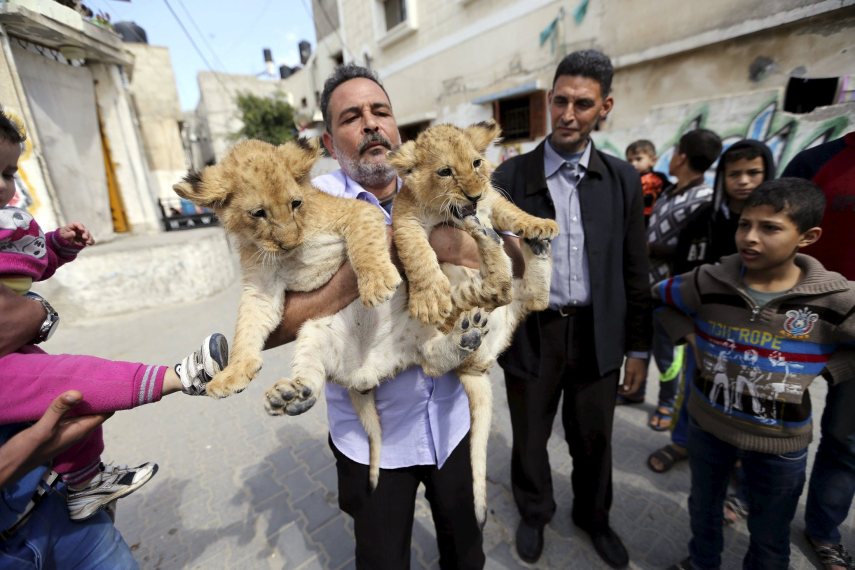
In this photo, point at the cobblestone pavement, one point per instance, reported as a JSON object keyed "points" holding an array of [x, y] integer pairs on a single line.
{"points": [[239, 489]]}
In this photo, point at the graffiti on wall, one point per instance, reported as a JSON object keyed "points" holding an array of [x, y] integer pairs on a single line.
{"points": [[752, 116]]}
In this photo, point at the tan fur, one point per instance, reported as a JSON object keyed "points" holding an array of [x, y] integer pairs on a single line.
{"points": [[444, 170], [290, 236]]}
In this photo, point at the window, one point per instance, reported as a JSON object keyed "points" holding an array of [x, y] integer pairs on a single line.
{"points": [[804, 95], [522, 117], [411, 131], [394, 20], [395, 12]]}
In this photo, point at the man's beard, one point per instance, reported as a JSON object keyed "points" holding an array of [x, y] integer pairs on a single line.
{"points": [[365, 171]]}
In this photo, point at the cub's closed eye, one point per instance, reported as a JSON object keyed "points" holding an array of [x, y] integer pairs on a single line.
{"points": [[477, 163], [444, 172], [258, 213], [296, 204]]}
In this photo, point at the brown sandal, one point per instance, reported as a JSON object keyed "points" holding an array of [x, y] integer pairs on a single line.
{"points": [[667, 456]]}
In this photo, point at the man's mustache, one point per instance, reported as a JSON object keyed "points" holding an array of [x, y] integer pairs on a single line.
{"points": [[373, 138]]}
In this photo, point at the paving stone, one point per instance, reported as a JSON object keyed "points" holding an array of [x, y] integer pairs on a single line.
{"points": [[238, 488]]}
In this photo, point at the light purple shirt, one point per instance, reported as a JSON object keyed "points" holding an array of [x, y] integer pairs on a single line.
{"points": [[423, 418], [570, 276]]}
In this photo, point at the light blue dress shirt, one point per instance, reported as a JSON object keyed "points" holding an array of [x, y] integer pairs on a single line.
{"points": [[570, 276], [423, 418]]}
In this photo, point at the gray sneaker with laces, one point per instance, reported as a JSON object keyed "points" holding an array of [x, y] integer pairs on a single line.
{"points": [[200, 366], [113, 482]]}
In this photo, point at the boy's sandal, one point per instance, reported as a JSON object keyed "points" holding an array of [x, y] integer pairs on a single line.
{"points": [[666, 457], [627, 401], [661, 418], [831, 555], [734, 510]]}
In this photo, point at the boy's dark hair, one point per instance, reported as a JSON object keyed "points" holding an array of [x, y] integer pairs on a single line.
{"points": [[701, 147], [641, 146], [742, 153], [588, 63], [9, 131], [341, 75], [801, 200]]}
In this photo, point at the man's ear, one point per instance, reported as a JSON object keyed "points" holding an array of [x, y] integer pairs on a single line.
{"points": [[195, 186], [403, 159], [810, 236], [483, 134], [328, 144]]}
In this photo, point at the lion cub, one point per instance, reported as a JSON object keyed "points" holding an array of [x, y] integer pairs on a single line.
{"points": [[290, 236], [447, 180]]}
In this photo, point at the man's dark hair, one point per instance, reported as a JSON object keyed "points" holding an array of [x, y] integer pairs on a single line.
{"points": [[641, 146], [742, 153], [9, 131], [801, 200], [341, 75], [701, 147], [588, 63]]}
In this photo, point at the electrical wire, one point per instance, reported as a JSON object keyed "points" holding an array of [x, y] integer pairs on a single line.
{"points": [[217, 60]]}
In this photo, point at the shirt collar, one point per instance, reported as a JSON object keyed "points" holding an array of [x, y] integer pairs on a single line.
{"points": [[353, 189], [552, 161]]}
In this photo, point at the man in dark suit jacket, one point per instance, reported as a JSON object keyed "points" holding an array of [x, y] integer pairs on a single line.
{"points": [[599, 312]]}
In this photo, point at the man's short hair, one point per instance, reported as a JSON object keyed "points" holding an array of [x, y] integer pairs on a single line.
{"points": [[801, 200], [588, 63], [9, 130], [701, 147], [641, 146], [341, 75]]}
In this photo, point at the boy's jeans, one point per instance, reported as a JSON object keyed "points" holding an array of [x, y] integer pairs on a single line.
{"points": [[51, 540], [832, 482], [773, 484]]}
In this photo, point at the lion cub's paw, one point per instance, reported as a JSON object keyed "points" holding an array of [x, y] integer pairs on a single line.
{"points": [[379, 286], [539, 247], [234, 378], [470, 329], [289, 396], [431, 306], [541, 229]]}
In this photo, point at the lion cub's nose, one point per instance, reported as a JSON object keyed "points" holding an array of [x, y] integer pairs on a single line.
{"points": [[473, 199]]}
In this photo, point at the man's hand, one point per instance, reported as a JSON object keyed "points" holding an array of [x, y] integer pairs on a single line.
{"points": [[76, 233], [634, 372], [45, 439]]}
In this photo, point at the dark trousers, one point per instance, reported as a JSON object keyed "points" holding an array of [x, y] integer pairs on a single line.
{"points": [[772, 483], [832, 482], [568, 369], [383, 519]]}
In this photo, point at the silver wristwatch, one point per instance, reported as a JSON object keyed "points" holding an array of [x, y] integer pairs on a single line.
{"points": [[51, 321]]}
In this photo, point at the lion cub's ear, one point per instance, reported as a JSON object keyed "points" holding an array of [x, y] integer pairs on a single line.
{"points": [[195, 188], [300, 156], [483, 134], [404, 158]]}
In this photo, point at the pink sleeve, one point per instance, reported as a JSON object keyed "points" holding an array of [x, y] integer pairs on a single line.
{"points": [[59, 252], [33, 378]]}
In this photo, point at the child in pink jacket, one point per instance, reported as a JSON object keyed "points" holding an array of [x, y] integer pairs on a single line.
{"points": [[31, 378]]}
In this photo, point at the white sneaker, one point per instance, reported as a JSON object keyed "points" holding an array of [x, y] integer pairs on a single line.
{"points": [[200, 366], [113, 482]]}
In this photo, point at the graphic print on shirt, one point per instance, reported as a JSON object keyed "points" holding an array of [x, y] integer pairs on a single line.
{"points": [[721, 383], [776, 389], [799, 323], [19, 234], [746, 381]]}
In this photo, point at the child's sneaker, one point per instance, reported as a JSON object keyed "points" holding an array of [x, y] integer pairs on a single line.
{"points": [[200, 367], [113, 482]]}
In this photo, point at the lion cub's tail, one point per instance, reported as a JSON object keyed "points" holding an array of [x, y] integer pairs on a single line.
{"points": [[366, 409]]}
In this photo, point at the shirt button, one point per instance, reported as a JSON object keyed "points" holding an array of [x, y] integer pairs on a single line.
{"points": [[574, 218], [575, 248]]}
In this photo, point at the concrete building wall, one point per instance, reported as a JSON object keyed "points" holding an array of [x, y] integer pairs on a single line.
{"points": [[155, 97], [822, 46], [218, 111]]}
